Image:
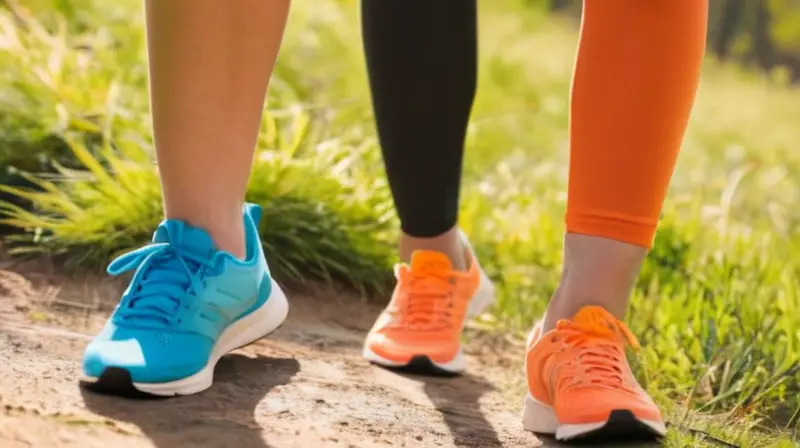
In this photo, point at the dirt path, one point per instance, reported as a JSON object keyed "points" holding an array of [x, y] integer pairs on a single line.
{"points": [[305, 386]]}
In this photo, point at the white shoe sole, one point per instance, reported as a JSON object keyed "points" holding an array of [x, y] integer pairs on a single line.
{"points": [[541, 418], [246, 330], [484, 296]]}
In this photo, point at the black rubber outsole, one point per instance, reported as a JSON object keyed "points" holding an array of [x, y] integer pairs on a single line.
{"points": [[421, 365], [622, 426], [117, 381]]}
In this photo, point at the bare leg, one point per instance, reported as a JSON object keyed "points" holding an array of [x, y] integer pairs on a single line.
{"points": [[210, 64], [597, 271]]}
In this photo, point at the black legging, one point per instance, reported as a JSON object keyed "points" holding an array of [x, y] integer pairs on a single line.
{"points": [[422, 62]]}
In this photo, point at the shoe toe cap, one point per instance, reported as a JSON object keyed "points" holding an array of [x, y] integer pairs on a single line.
{"points": [[593, 406], [402, 350], [149, 358]]}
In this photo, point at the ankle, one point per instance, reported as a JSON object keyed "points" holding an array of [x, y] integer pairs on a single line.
{"points": [[227, 232], [597, 271], [448, 243], [231, 239], [566, 302]]}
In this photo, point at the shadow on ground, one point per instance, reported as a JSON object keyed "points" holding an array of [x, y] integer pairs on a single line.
{"points": [[458, 400], [222, 416], [550, 442]]}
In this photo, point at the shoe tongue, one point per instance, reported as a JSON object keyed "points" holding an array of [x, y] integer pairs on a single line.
{"points": [[593, 315], [430, 261], [191, 239]]}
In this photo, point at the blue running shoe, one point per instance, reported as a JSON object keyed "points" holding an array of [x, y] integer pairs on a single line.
{"points": [[187, 305]]}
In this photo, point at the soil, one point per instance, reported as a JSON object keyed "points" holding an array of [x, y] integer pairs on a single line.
{"points": [[304, 386]]}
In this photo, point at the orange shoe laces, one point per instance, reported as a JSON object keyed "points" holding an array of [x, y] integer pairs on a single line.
{"points": [[599, 341], [428, 301]]}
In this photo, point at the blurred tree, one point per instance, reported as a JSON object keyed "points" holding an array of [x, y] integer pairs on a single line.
{"points": [[723, 30], [557, 5], [763, 48], [760, 33]]}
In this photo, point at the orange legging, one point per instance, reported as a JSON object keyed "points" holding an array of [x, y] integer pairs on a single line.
{"points": [[635, 79]]}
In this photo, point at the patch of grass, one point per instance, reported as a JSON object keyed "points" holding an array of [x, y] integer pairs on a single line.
{"points": [[104, 196], [327, 229], [717, 306]]}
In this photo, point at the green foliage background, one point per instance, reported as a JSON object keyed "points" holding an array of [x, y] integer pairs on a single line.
{"points": [[764, 34]]}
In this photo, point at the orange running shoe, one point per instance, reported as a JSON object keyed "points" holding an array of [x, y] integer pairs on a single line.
{"points": [[420, 329], [580, 385]]}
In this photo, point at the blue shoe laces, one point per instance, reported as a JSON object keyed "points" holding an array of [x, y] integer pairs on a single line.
{"points": [[167, 278]]}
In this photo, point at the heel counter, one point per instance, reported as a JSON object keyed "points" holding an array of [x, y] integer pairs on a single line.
{"points": [[255, 250], [254, 212]]}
